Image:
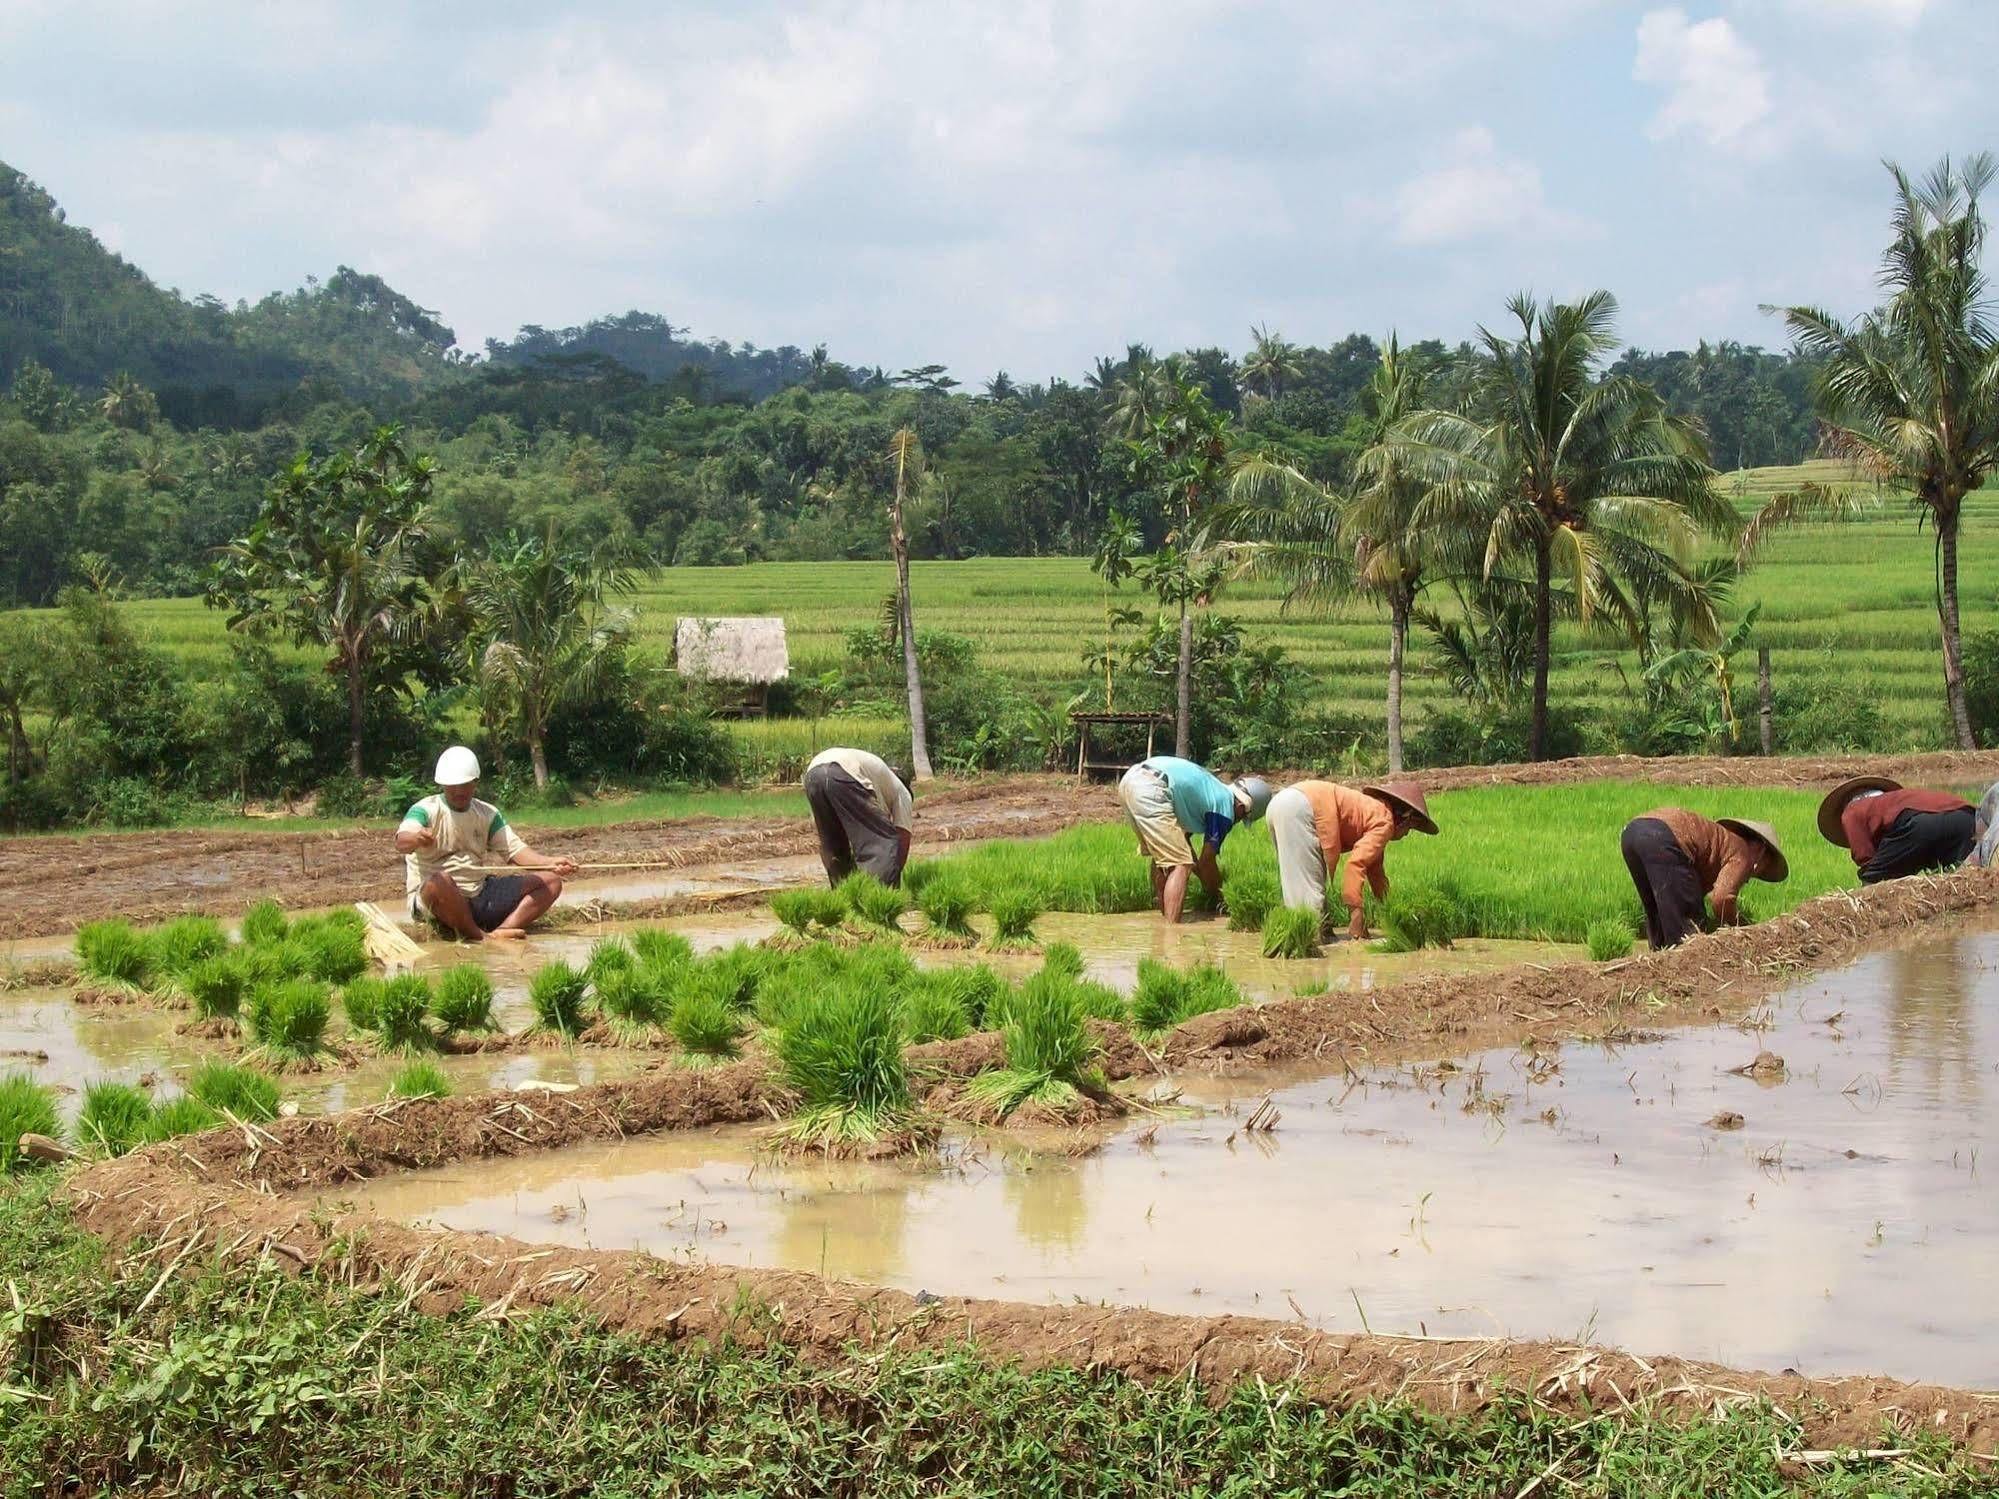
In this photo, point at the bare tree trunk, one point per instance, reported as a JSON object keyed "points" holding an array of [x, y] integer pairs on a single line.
{"points": [[919, 728], [357, 711], [1183, 688], [1398, 644], [1953, 645], [538, 753], [1765, 736], [1537, 738]]}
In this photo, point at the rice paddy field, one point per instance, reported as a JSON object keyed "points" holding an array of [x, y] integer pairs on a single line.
{"points": [[1849, 605]]}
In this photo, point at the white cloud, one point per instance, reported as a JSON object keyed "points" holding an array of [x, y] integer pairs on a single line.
{"points": [[1901, 13], [1717, 88], [1477, 192]]}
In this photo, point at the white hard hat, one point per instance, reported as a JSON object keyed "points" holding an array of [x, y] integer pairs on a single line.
{"points": [[456, 766]]}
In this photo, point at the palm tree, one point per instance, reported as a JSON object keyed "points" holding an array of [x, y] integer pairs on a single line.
{"points": [[1001, 388], [1270, 363], [1557, 466], [1911, 390]]}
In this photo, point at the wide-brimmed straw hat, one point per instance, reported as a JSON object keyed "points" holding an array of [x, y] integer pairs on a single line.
{"points": [[1408, 797], [1836, 799], [1781, 870]]}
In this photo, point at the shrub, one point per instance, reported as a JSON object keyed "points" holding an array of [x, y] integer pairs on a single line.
{"points": [[633, 1001], [706, 1025], [659, 948], [464, 999], [116, 953], [1048, 1049], [947, 903], [1420, 918], [361, 999], [265, 924], [186, 941], [1822, 713], [180, 1116], [931, 1010], [843, 1058], [288, 1020], [215, 987], [1608, 938], [402, 1015], [1250, 895], [26, 1108], [229, 1089], [1014, 913], [420, 1080], [557, 995], [873, 904], [1064, 958], [113, 1118], [1289, 932]]}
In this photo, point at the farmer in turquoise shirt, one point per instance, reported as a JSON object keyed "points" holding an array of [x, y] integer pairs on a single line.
{"points": [[1170, 803]]}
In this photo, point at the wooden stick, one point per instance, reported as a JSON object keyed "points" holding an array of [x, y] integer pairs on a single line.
{"points": [[524, 869]]}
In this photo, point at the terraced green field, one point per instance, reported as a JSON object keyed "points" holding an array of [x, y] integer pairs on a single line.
{"points": [[1851, 603]]}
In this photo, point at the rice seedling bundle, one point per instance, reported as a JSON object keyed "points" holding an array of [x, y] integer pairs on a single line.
{"points": [[1014, 913], [707, 1027], [1250, 895], [264, 924], [335, 950], [114, 952], [1289, 932], [931, 1010], [113, 1119], [288, 1020], [1156, 1002], [610, 955], [1418, 919], [26, 1108], [558, 995], [420, 1080], [361, 1000], [947, 903], [1101, 1001], [739, 971], [797, 910], [1608, 938], [402, 1015], [633, 1001], [1208, 988], [873, 905], [180, 1116], [1064, 958], [659, 948], [186, 941], [463, 999], [982, 991], [843, 1057], [240, 1091], [781, 998], [1048, 1051], [215, 987]]}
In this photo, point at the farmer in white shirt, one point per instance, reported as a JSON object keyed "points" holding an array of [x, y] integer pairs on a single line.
{"points": [[863, 813], [445, 838]]}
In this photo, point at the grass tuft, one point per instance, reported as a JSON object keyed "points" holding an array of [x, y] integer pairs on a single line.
{"points": [[420, 1080], [241, 1091], [1014, 913], [115, 952], [113, 1119], [1250, 895], [26, 1108], [463, 1001], [1608, 938], [558, 995], [1291, 933]]}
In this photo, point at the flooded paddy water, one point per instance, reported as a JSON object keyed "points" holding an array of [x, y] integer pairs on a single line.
{"points": [[1836, 1216]]}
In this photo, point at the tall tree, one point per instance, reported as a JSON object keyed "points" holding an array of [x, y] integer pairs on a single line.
{"points": [[1910, 391], [340, 555], [1271, 364], [908, 458], [1557, 467]]}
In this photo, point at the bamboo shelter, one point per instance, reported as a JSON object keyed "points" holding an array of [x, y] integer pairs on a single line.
{"points": [[745, 652]]}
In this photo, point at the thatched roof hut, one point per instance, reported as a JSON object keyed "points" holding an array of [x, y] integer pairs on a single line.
{"points": [[749, 651]]}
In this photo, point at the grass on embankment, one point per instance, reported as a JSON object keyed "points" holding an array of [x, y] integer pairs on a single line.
{"points": [[1535, 862], [340, 1392]]}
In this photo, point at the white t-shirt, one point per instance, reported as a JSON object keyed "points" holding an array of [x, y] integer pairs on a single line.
{"points": [[478, 835], [872, 771]]}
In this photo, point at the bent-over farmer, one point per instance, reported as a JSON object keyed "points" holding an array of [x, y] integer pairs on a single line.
{"points": [[1680, 859], [863, 812], [447, 837], [1892, 830], [1314, 823], [1171, 802]]}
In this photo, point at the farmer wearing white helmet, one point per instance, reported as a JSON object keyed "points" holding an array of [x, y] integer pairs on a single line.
{"points": [[1170, 803], [445, 838]]}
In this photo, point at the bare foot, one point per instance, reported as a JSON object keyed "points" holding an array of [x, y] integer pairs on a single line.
{"points": [[506, 934]]}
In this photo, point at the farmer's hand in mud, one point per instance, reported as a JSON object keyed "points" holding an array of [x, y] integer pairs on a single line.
{"points": [[506, 934], [1357, 928]]}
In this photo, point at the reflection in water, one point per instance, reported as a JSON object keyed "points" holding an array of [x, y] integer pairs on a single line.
{"points": [[1930, 991], [1051, 1204]]}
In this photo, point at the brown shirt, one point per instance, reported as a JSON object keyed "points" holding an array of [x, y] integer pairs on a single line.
{"points": [[1355, 824], [1867, 819], [1722, 857]]}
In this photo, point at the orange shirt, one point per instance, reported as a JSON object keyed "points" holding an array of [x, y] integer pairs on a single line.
{"points": [[1722, 857], [1355, 824]]}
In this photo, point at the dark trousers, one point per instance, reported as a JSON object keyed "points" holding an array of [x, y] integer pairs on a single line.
{"points": [[854, 831], [1668, 887], [1918, 841]]}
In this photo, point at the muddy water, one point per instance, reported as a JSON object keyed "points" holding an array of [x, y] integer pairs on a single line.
{"points": [[1845, 1226]]}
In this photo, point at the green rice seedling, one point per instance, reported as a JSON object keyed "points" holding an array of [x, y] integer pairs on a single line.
{"points": [[706, 1025], [1609, 937], [1419, 919], [1289, 932], [1048, 1052], [115, 953], [182, 943], [781, 998], [264, 924], [610, 955], [634, 1002], [1014, 913], [558, 994], [288, 1021], [242, 1092], [982, 991], [659, 948], [290, 958], [402, 1015], [113, 1118], [797, 910], [361, 1000], [843, 1058], [185, 1115], [26, 1108], [947, 903], [931, 1010], [1156, 1002], [1250, 895], [874, 906], [463, 1000], [215, 987], [420, 1080], [1208, 988], [1101, 1001], [739, 971], [1064, 958], [335, 950]]}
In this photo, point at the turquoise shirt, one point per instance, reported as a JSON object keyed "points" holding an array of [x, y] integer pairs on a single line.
{"points": [[1202, 804]]}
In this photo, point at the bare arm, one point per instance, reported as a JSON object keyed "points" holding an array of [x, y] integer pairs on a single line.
{"points": [[526, 858], [410, 839]]}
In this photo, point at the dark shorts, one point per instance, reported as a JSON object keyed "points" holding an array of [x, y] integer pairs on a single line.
{"points": [[854, 831], [1922, 841], [492, 903]]}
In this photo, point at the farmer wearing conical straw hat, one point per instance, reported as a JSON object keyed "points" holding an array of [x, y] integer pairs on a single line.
{"points": [[446, 837], [1171, 802], [1679, 860], [1892, 830], [1315, 823]]}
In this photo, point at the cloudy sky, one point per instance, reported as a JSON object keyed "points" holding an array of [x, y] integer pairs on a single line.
{"points": [[1020, 186]]}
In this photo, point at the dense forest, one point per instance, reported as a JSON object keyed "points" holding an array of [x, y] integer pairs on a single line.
{"points": [[140, 427]]}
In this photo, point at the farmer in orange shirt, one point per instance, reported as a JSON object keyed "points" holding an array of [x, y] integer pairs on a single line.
{"points": [[1315, 822]]}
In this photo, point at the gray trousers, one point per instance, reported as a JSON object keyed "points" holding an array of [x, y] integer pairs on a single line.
{"points": [[854, 831]]}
